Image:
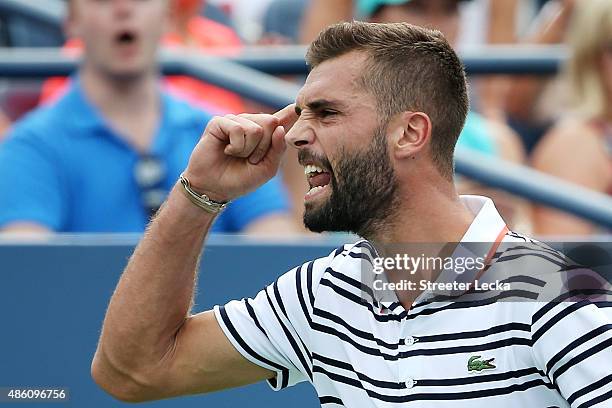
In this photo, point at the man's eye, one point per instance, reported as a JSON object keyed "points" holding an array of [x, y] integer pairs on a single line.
{"points": [[326, 112]]}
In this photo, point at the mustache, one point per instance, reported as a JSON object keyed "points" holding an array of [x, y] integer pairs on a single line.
{"points": [[306, 156]]}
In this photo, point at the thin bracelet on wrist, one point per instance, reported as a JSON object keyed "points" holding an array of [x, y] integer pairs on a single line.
{"points": [[201, 200]]}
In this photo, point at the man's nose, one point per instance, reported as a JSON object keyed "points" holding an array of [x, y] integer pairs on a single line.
{"points": [[300, 135], [123, 8]]}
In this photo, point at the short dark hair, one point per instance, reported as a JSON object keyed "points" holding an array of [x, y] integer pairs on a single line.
{"points": [[409, 68]]}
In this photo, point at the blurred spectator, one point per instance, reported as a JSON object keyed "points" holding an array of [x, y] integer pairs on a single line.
{"points": [[496, 22], [281, 22], [441, 15], [579, 147], [186, 28], [102, 158], [489, 22], [247, 16], [321, 13], [532, 101], [217, 14]]}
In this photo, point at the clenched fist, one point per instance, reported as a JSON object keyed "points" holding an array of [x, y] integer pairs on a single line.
{"points": [[238, 153]]}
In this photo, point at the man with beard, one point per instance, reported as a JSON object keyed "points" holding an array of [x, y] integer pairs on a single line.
{"points": [[375, 125]]}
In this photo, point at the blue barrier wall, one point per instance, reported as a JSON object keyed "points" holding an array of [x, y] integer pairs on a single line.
{"points": [[53, 299]]}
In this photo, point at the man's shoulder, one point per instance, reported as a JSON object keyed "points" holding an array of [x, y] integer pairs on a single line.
{"points": [[39, 125], [516, 246], [558, 272], [525, 255]]}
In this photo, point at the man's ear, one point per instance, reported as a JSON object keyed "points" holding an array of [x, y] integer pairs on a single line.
{"points": [[410, 133]]}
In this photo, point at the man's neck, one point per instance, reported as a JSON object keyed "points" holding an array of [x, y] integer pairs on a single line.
{"points": [[435, 214], [427, 223], [130, 106]]}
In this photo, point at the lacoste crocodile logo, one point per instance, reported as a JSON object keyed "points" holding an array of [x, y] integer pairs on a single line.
{"points": [[476, 364]]}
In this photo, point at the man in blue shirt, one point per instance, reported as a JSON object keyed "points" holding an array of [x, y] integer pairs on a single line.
{"points": [[95, 160]]}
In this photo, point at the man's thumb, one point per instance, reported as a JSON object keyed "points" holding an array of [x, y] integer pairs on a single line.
{"points": [[278, 146]]}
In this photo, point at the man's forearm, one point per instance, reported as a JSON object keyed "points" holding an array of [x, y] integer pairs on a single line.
{"points": [[155, 292], [150, 347]]}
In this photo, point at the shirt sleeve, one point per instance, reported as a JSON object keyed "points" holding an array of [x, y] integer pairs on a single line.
{"points": [[272, 329], [30, 182], [572, 345], [270, 198]]}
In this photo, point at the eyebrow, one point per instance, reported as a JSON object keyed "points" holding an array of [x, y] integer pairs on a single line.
{"points": [[318, 105]]}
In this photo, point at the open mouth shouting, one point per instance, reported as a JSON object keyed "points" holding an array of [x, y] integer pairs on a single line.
{"points": [[125, 37], [126, 41], [318, 180]]}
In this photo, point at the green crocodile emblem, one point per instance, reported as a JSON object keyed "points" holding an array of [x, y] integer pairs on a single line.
{"points": [[475, 364]]}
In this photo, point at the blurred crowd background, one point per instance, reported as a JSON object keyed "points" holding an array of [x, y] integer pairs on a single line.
{"points": [[98, 151]]}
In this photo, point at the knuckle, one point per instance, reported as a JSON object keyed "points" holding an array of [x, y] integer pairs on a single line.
{"points": [[257, 130], [237, 127], [270, 120], [215, 121]]}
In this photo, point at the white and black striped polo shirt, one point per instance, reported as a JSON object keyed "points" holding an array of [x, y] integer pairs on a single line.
{"points": [[312, 324]]}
